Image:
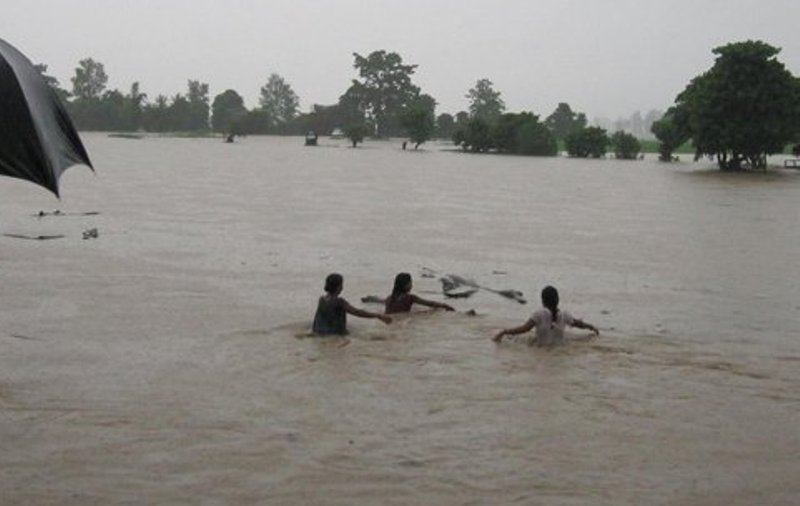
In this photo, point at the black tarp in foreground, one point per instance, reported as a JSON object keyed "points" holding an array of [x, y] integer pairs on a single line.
{"points": [[37, 138]]}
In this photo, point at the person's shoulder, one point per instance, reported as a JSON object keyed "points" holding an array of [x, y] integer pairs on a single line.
{"points": [[540, 314], [332, 300], [541, 311]]}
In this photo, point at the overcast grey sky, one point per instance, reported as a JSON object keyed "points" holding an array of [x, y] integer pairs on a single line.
{"points": [[604, 57]]}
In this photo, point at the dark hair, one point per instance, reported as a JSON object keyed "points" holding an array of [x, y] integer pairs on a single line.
{"points": [[550, 300], [333, 283], [401, 282]]}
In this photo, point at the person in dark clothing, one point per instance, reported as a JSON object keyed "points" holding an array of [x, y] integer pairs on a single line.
{"points": [[401, 299], [332, 310]]}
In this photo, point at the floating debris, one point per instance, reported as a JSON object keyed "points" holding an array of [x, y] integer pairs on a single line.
{"points": [[452, 285], [454, 294], [35, 237], [58, 212]]}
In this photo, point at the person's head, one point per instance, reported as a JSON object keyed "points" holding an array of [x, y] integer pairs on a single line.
{"points": [[333, 283], [402, 284], [550, 298]]}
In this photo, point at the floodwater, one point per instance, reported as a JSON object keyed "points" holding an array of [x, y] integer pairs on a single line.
{"points": [[165, 361]]}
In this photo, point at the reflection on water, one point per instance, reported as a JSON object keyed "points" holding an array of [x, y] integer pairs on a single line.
{"points": [[167, 360]]}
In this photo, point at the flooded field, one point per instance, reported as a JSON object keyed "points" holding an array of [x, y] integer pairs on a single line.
{"points": [[164, 361]]}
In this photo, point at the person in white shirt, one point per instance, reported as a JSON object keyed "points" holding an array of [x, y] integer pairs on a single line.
{"points": [[549, 322]]}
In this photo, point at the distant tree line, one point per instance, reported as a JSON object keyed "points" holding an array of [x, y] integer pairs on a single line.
{"points": [[745, 107], [488, 128], [94, 107], [382, 101]]}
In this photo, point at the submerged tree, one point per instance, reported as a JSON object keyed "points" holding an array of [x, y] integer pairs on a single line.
{"points": [[484, 102], [351, 114], [563, 121], [587, 142], [385, 89], [523, 133], [534, 138], [669, 134], [445, 126], [419, 124], [626, 146], [506, 128], [742, 109], [355, 132], [228, 112], [419, 120], [279, 101], [476, 136]]}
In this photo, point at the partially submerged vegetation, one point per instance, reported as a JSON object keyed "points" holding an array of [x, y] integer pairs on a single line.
{"points": [[744, 108]]}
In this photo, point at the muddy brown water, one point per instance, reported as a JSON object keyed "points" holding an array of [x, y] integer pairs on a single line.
{"points": [[163, 362]]}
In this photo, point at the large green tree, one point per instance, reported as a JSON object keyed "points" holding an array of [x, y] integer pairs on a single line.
{"points": [[742, 109], [228, 112], [484, 102], [563, 121], [385, 89], [279, 100]]}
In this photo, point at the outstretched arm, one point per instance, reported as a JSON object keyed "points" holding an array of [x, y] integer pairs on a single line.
{"points": [[583, 325], [361, 313], [525, 327], [432, 303]]}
